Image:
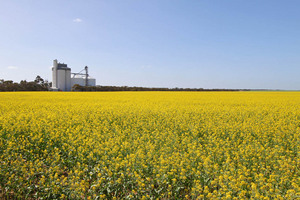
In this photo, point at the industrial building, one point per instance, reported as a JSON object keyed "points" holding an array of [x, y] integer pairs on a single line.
{"points": [[64, 80]]}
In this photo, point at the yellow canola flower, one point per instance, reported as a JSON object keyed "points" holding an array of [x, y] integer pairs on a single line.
{"points": [[150, 145]]}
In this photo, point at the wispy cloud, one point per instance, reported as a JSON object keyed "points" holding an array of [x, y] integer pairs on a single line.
{"points": [[77, 20], [12, 67]]}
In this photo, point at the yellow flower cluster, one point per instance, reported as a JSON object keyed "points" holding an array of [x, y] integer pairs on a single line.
{"points": [[150, 145]]}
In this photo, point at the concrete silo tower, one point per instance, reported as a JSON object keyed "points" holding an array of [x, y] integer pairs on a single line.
{"points": [[61, 77], [54, 75]]}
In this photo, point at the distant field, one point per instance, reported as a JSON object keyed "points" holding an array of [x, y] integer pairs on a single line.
{"points": [[148, 145]]}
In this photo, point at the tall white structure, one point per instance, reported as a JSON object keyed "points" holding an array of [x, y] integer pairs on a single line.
{"points": [[62, 80]]}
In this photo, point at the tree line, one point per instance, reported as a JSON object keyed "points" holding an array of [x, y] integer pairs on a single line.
{"points": [[39, 84], [77, 87]]}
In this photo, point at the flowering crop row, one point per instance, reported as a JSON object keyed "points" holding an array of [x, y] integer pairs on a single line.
{"points": [[150, 145]]}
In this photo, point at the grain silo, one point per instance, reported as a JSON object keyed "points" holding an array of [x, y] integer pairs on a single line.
{"points": [[61, 76], [62, 80]]}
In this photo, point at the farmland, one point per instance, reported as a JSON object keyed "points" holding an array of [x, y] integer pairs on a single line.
{"points": [[150, 145]]}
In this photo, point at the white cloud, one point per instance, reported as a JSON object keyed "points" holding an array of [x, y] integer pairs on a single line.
{"points": [[77, 20], [12, 67]]}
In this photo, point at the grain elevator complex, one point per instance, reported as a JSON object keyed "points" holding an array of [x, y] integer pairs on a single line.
{"points": [[64, 80]]}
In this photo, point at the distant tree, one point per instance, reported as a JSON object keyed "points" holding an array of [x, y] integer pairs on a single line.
{"points": [[37, 85], [77, 87], [39, 80]]}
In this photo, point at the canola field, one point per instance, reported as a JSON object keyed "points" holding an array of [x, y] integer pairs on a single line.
{"points": [[150, 145]]}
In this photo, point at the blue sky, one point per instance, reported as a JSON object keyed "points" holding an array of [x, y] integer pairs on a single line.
{"points": [[155, 43]]}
